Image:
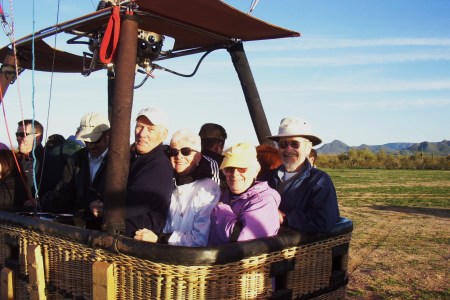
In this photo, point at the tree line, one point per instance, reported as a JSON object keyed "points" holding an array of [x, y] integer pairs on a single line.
{"points": [[367, 159]]}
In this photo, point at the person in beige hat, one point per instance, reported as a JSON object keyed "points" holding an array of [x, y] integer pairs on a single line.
{"points": [[80, 191], [248, 209], [308, 197]]}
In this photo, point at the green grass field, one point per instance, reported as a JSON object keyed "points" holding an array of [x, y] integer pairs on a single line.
{"points": [[400, 244]]}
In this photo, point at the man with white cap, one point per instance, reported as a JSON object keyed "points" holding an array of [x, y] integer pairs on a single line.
{"points": [[149, 185], [81, 189], [308, 196]]}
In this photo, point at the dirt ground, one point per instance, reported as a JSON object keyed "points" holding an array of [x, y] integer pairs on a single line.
{"points": [[399, 253]]}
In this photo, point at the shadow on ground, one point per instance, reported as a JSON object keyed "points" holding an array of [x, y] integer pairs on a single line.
{"points": [[437, 212]]}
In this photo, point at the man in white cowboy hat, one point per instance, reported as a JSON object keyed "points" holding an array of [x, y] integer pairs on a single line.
{"points": [[308, 196]]}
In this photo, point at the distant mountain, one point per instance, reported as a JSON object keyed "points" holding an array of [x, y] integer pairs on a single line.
{"points": [[427, 147], [438, 148], [335, 147]]}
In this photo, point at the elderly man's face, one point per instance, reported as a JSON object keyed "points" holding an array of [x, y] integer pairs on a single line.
{"points": [[148, 136], [294, 151], [25, 138]]}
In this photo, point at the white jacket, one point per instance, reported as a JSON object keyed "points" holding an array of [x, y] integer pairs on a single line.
{"points": [[190, 209]]}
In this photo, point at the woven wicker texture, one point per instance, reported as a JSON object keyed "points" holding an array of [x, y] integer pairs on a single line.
{"points": [[68, 271]]}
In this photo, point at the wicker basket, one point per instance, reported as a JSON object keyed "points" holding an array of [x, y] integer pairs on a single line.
{"points": [[290, 265]]}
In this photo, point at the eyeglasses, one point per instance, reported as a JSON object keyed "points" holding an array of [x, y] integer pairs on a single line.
{"points": [[294, 144], [230, 170], [185, 151], [23, 134]]}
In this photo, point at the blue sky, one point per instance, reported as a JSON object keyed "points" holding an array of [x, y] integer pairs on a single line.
{"points": [[363, 72]]}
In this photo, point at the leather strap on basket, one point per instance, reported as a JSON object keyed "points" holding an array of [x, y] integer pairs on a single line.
{"points": [[236, 232], [111, 37]]}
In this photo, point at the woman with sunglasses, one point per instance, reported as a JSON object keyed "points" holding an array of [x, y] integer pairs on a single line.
{"points": [[249, 208], [194, 196]]}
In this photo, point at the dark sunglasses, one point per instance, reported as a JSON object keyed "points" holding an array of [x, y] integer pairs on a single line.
{"points": [[23, 134], [96, 142], [185, 151], [230, 170], [285, 144]]}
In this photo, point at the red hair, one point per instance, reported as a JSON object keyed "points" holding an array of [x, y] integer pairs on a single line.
{"points": [[268, 158]]}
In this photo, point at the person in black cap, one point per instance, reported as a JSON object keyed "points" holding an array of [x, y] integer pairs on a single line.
{"points": [[213, 138]]}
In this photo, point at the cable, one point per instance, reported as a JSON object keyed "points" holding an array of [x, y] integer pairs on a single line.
{"points": [[184, 75], [49, 98]]}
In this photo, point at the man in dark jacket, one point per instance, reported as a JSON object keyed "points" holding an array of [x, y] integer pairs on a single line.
{"points": [[308, 196], [150, 178], [80, 192], [29, 135], [213, 138]]}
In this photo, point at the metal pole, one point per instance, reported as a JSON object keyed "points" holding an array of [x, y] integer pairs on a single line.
{"points": [[251, 94], [119, 147]]}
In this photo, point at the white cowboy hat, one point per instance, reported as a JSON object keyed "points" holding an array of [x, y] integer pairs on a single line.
{"points": [[291, 127]]}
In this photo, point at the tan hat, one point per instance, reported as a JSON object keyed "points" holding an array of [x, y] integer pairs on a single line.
{"points": [[241, 155], [154, 115], [92, 126], [291, 127]]}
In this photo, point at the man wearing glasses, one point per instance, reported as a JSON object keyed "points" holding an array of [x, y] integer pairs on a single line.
{"points": [[150, 178], [30, 133], [80, 191], [308, 196]]}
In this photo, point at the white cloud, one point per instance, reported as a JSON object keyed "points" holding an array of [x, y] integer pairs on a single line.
{"points": [[312, 43], [296, 61], [393, 104], [352, 85]]}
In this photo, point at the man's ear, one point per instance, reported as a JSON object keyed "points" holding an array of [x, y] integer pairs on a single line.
{"points": [[308, 147], [164, 134], [198, 157]]}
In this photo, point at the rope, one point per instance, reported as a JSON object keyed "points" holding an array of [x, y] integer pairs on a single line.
{"points": [[22, 176], [10, 34], [50, 96], [33, 92], [111, 37]]}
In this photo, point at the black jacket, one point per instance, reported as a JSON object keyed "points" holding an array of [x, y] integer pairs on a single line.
{"points": [[308, 199], [148, 191], [12, 193], [75, 192], [27, 164]]}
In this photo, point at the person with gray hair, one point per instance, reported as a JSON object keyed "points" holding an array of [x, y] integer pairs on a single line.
{"points": [[150, 177], [194, 195], [308, 197]]}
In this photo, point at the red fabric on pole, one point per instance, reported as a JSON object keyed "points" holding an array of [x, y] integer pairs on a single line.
{"points": [[111, 37]]}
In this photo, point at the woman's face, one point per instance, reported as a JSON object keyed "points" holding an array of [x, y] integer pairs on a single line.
{"points": [[183, 157], [239, 179]]}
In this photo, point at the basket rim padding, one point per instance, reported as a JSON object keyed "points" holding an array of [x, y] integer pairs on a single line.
{"points": [[178, 255]]}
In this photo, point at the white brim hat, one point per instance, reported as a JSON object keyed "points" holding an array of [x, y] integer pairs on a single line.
{"points": [[292, 127]]}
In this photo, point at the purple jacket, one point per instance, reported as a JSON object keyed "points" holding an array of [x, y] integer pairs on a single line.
{"points": [[257, 209]]}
